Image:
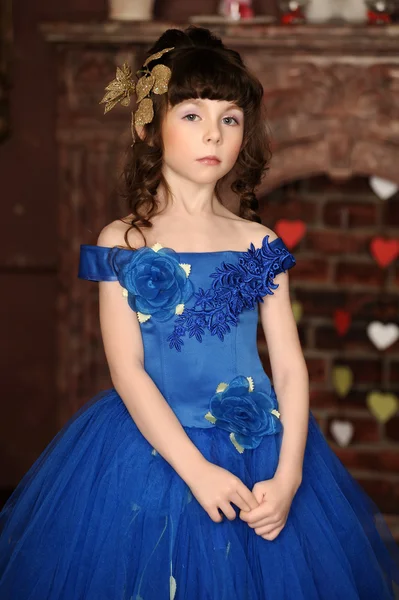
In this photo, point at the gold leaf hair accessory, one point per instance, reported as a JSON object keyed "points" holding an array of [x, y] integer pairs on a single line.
{"points": [[122, 87]]}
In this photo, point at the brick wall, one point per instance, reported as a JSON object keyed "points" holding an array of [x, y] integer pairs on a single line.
{"points": [[336, 270]]}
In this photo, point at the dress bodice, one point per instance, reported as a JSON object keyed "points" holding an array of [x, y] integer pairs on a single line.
{"points": [[198, 314]]}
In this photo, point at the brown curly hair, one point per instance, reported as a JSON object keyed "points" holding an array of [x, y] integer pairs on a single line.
{"points": [[202, 67]]}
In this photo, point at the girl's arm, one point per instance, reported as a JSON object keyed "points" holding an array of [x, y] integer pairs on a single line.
{"points": [[290, 378], [124, 351]]}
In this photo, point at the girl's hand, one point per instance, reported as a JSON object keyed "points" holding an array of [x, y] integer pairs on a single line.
{"points": [[275, 497], [215, 488]]}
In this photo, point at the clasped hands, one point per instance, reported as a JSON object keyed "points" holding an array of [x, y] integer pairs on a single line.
{"points": [[265, 509], [273, 497]]}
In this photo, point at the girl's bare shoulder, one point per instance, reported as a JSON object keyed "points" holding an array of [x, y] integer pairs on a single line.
{"points": [[253, 232], [114, 233]]}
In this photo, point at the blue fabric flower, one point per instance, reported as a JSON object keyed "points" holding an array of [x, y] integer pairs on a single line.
{"points": [[156, 282], [247, 414]]}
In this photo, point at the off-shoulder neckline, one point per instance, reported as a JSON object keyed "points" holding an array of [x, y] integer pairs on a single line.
{"points": [[187, 253]]}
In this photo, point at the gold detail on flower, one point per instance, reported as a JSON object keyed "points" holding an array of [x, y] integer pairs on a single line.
{"points": [[125, 293], [236, 444], [251, 384], [179, 309], [221, 387], [142, 317], [209, 417], [120, 89], [275, 412], [145, 113], [156, 247], [186, 268], [172, 587]]}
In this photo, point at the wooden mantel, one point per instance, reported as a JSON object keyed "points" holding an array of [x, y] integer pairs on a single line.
{"points": [[305, 39]]}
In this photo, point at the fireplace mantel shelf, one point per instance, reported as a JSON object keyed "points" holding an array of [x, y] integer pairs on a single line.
{"points": [[325, 39]]}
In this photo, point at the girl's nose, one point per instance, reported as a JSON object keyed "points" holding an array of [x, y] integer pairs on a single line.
{"points": [[213, 135]]}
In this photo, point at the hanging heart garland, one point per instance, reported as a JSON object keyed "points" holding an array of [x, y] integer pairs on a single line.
{"points": [[382, 405], [383, 335], [383, 188], [342, 432], [291, 232], [342, 378], [384, 251], [342, 321]]}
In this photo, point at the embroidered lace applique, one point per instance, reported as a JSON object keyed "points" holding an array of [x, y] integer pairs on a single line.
{"points": [[235, 287]]}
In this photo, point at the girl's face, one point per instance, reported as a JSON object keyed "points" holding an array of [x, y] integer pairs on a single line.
{"points": [[199, 128]]}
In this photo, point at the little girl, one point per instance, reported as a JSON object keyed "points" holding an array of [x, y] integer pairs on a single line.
{"points": [[193, 478]]}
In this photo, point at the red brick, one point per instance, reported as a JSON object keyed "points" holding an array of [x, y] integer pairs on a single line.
{"points": [[280, 206], [320, 303], [356, 338], [337, 242], [385, 493], [349, 215], [310, 269], [392, 429], [364, 370], [326, 186], [322, 399], [378, 460], [369, 274], [394, 371], [372, 305], [390, 211], [317, 369]]}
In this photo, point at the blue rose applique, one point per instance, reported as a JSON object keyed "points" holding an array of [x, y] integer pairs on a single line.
{"points": [[155, 283], [247, 414]]}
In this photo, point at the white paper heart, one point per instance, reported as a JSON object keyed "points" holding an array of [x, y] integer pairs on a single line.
{"points": [[342, 432], [383, 188], [382, 335]]}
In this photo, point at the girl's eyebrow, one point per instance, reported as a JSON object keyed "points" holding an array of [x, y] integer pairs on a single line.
{"points": [[199, 101]]}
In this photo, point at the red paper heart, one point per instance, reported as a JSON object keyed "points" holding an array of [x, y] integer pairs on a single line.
{"points": [[291, 232], [342, 320], [384, 251]]}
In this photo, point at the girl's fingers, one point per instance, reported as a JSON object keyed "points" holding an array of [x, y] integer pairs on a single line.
{"points": [[267, 521], [247, 496], [228, 510], [238, 501]]}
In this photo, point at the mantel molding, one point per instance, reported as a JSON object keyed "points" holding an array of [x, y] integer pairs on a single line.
{"points": [[307, 39]]}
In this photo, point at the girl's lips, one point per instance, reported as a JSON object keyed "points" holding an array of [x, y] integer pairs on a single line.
{"points": [[209, 160]]}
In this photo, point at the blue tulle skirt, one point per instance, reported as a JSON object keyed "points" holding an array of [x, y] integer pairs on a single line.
{"points": [[102, 516]]}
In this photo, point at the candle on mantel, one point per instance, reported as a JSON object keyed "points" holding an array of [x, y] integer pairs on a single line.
{"points": [[131, 10]]}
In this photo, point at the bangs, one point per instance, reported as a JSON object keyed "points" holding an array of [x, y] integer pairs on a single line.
{"points": [[207, 74]]}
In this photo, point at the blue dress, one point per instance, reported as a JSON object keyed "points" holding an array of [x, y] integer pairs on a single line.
{"points": [[102, 516]]}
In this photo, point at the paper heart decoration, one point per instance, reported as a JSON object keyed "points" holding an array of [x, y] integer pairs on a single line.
{"points": [[382, 335], [297, 310], [291, 232], [342, 432], [384, 251], [342, 379], [383, 188], [382, 406], [342, 320]]}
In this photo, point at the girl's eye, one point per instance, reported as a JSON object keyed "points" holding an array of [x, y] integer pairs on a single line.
{"points": [[232, 120], [189, 117]]}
